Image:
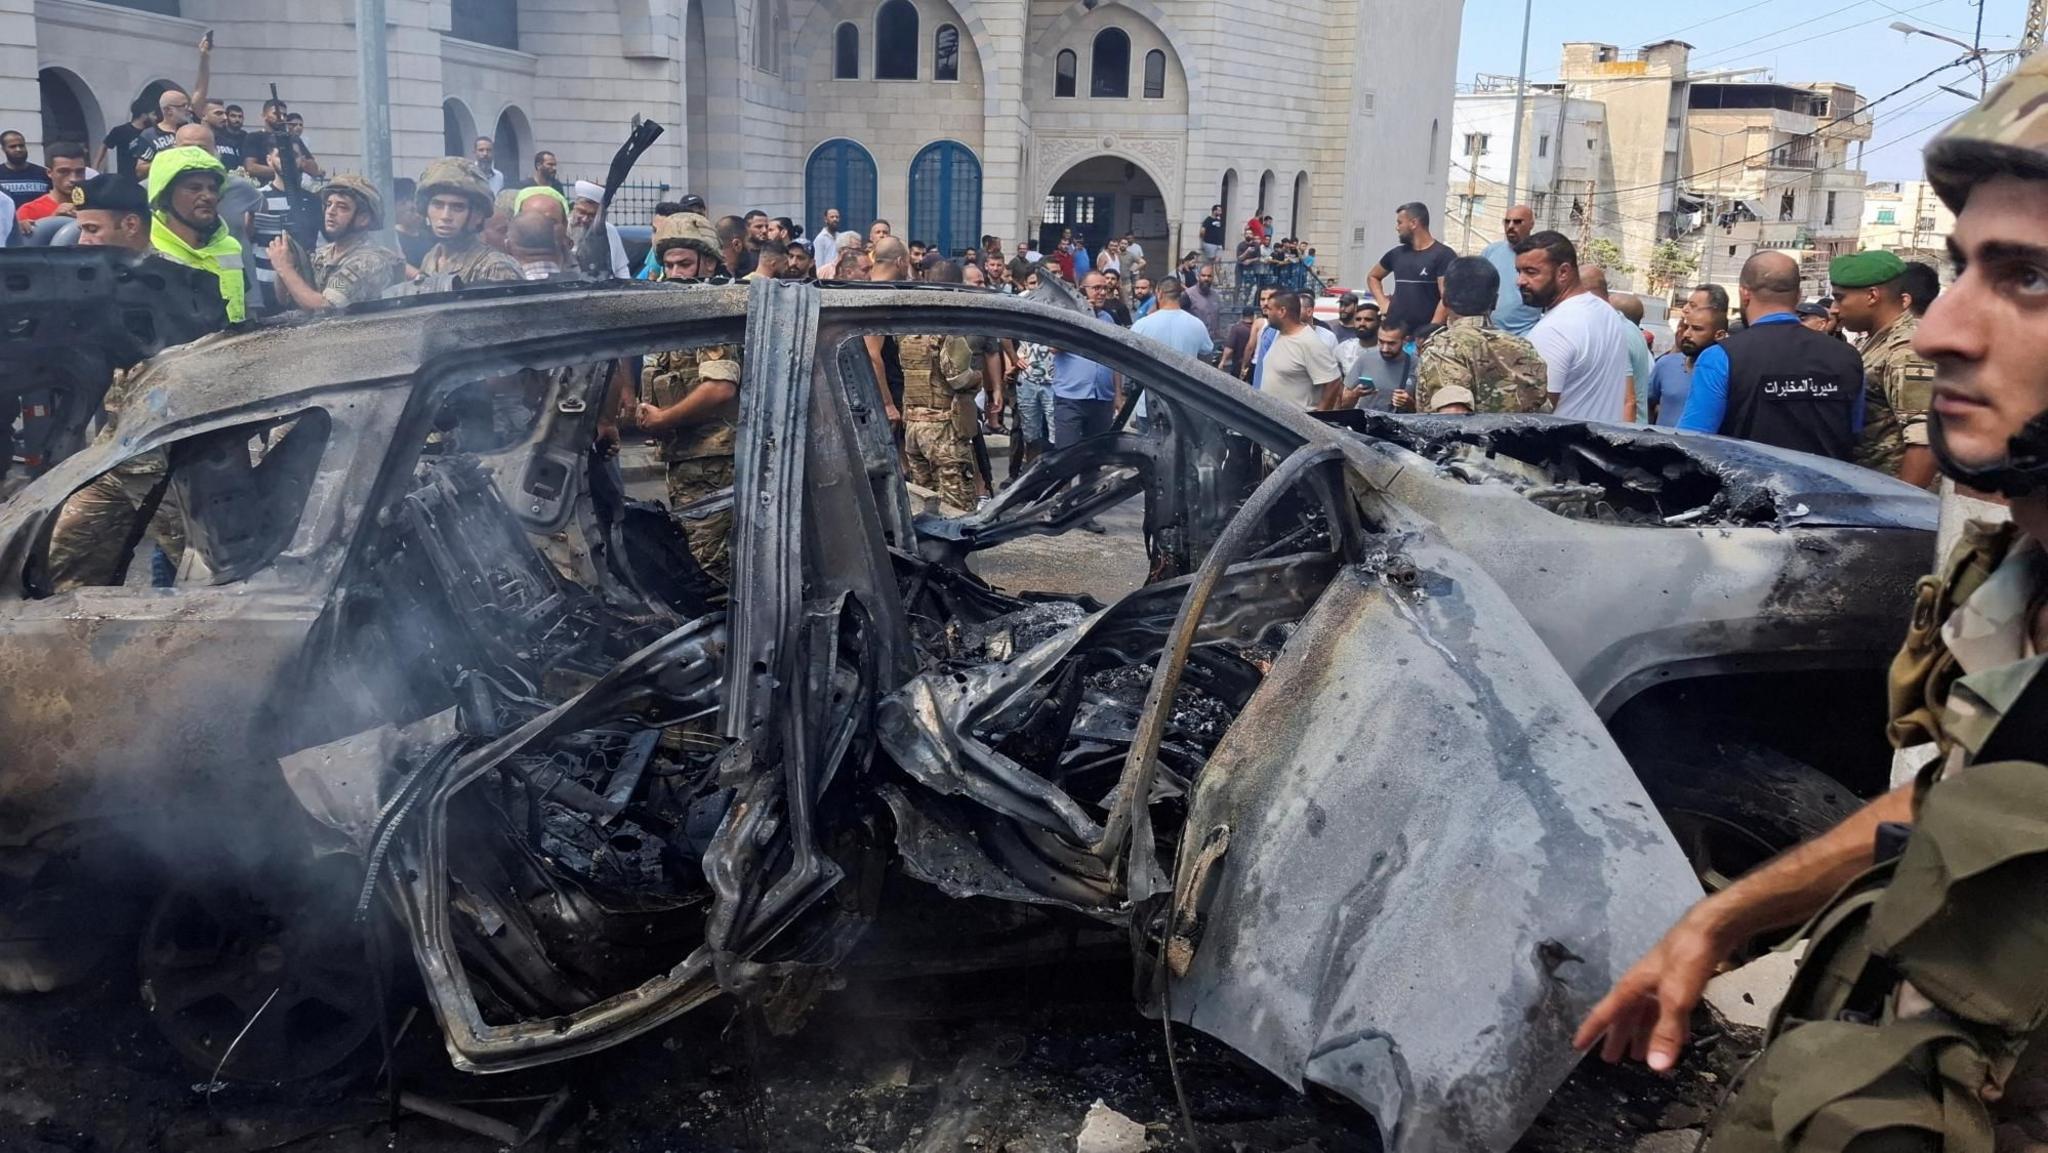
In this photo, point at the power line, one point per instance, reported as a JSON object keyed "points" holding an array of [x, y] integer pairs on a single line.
{"points": [[1822, 127]]}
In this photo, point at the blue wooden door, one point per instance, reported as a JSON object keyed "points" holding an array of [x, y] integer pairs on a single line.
{"points": [[840, 175], [945, 197]]}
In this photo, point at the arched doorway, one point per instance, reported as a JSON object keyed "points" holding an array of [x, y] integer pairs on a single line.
{"points": [[840, 174], [69, 110], [945, 197], [511, 138], [1104, 197], [1265, 193], [458, 130]]}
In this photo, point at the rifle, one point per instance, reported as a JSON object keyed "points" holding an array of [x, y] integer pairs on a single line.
{"points": [[593, 252]]}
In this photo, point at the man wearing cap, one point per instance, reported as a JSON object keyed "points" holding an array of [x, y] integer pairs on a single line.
{"points": [[582, 212], [1918, 1019], [351, 267], [1497, 370], [1899, 383], [112, 210], [800, 266], [1814, 317], [689, 401], [456, 202]]}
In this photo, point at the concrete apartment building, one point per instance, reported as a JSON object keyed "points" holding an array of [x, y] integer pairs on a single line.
{"points": [[1773, 169], [950, 118], [1720, 162], [1565, 159], [1906, 217]]}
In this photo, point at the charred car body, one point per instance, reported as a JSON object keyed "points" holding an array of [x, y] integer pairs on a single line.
{"points": [[1334, 739]]}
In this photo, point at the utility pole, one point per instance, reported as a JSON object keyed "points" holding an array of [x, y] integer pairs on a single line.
{"points": [[1521, 98], [2037, 24], [373, 92], [1472, 155]]}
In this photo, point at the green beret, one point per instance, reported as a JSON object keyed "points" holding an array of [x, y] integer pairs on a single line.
{"points": [[1866, 269]]}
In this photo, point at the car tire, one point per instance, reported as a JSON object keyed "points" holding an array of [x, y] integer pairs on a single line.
{"points": [[1732, 803]]}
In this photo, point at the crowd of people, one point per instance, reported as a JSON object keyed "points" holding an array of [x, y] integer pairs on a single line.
{"points": [[1521, 327]]}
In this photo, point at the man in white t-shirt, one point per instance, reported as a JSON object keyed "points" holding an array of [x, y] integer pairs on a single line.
{"points": [[1581, 344], [1298, 368]]}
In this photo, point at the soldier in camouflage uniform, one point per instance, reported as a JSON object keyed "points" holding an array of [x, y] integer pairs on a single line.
{"points": [[94, 525], [351, 267], [1898, 384], [939, 383], [1504, 372], [457, 204], [691, 400], [1917, 1021]]}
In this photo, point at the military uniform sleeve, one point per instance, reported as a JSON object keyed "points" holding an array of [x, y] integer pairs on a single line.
{"points": [[1914, 392], [720, 362], [1527, 374], [363, 276], [957, 365], [498, 268], [1439, 366]]}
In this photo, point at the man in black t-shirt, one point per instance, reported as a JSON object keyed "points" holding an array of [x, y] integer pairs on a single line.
{"points": [[1212, 232], [118, 151], [1410, 277], [19, 179]]}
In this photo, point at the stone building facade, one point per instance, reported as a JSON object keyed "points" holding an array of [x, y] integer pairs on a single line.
{"points": [[950, 118]]}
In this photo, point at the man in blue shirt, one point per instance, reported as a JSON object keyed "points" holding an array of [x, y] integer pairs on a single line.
{"points": [[1805, 397], [1173, 326], [1084, 394], [1671, 378], [1512, 313]]}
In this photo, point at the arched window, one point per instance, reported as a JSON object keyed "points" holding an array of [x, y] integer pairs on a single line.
{"points": [[896, 41], [841, 174], [768, 36], [945, 197], [1063, 73], [1228, 198], [846, 52], [1429, 161], [946, 53], [1297, 216], [1155, 75], [1109, 66]]}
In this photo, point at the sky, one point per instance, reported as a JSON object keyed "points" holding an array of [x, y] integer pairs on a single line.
{"points": [[1848, 41]]}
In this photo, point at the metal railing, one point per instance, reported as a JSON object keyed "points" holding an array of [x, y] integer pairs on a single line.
{"points": [[634, 202]]}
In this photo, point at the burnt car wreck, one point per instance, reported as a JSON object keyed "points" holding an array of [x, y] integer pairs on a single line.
{"points": [[1335, 738]]}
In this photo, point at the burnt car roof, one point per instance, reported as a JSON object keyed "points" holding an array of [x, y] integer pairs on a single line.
{"points": [[392, 340]]}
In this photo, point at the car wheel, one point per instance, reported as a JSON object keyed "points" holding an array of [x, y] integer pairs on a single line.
{"points": [[1734, 804]]}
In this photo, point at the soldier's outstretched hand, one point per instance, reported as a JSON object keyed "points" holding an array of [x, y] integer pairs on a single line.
{"points": [[1646, 1016]]}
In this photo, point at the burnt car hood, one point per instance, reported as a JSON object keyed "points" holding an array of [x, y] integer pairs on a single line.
{"points": [[1758, 483]]}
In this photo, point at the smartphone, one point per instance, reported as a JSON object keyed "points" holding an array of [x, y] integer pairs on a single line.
{"points": [[208, 39]]}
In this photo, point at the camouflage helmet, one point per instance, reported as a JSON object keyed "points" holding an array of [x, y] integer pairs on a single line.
{"points": [[2006, 135], [686, 230], [369, 202], [454, 174]]}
